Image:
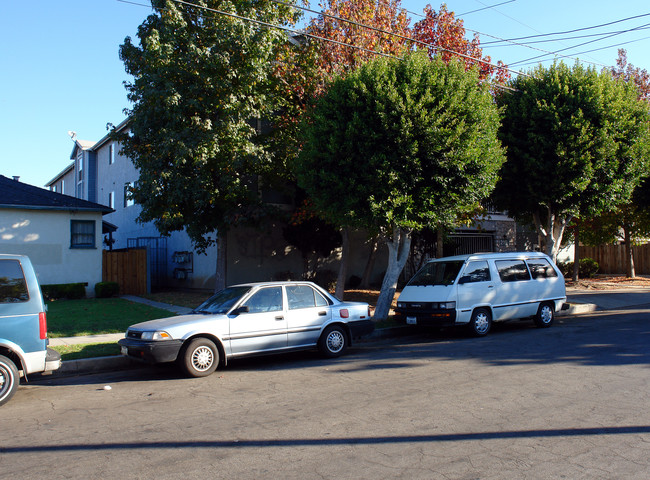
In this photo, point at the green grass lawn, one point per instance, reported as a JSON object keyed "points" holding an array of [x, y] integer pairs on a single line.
{"points": [[91, 316], [86, 350]]}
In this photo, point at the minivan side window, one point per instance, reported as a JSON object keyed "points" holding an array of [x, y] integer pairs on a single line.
{"points": [[541, 268], [512, 270], [13, 287], [476, 272]]}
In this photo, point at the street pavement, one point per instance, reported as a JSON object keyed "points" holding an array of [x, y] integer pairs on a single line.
{"points": [[580, 302]]}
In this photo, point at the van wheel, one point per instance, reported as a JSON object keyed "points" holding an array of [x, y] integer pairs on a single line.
{"points": [[200, 358], [545, 315], [9, 379], [480, 323]]}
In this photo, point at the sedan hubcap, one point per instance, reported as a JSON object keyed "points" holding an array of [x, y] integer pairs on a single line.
{"points": [[335, 341], [202, 358]]}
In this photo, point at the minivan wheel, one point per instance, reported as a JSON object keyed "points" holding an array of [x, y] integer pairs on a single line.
{"points": [[200, 358], [480, 322], [9, 379], [333, 341], [545, 315]]}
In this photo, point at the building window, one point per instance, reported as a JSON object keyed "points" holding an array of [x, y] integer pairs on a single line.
{"points": [[111, 200], [111, 154], [53, 188], [82, 234], [63, 187], [128, 199]]}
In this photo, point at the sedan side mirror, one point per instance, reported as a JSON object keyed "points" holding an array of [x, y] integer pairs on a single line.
{"points": [[242, 309]]}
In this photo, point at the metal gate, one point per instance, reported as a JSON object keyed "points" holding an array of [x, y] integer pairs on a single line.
{"points": [[467, 243], [156, 256]]}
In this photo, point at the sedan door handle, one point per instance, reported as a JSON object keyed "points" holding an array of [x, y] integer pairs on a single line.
{"points": [[322, 313], [279, 317]]}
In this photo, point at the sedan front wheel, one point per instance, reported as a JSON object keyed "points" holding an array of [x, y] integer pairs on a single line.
{"points": [[200, 358]]}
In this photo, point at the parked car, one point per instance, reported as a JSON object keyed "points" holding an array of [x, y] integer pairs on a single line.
{"points": [[250, 319], [23, 326], [475, 290]]}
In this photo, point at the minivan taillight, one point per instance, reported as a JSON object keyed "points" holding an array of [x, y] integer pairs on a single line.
{"points": [[42, 325]]}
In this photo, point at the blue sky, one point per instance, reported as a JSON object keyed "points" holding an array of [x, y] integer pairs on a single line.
{"points": [[61, 69]]}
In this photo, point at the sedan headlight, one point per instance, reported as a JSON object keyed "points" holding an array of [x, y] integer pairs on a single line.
{"points": [[157, 335]]}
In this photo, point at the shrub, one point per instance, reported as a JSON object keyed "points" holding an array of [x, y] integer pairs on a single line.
{"points": [[71, 291], [326, 279], [588, 268], [354, 281], [106, 289]]}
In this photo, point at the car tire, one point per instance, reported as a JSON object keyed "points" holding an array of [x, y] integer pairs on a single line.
{"points": [[333, 342], [545, 315], [9, 379], [200, 358], [481, 322]]}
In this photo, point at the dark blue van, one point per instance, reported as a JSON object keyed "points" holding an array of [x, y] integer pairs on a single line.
{"points": [[23, 325]]}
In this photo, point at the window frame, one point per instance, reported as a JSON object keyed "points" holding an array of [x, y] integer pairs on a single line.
{"points": [[74, 234]]}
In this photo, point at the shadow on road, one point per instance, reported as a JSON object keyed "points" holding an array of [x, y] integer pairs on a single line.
{"points": [[319, 442]]}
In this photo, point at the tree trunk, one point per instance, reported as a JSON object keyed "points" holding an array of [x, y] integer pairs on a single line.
{"points": [[629, 253], [222, 256], [343, 266], [440, 247], [370, 264], [399, 247], [552, 229], [576, 255]]}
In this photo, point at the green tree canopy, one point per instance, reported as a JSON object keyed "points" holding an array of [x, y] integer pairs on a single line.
{"points": [[398, 145], [577, 143], [201, 81]]}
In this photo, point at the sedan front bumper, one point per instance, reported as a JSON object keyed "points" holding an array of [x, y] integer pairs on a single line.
{"points": [[151, 351]]}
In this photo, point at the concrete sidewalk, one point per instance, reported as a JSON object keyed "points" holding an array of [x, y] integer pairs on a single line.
{"points": [[580, 301]]}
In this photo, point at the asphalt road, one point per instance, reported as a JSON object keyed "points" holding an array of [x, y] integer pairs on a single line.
{"points": [[523, 403]]}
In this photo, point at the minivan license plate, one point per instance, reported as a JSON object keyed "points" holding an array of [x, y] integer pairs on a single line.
{"points": [[411, 320]]}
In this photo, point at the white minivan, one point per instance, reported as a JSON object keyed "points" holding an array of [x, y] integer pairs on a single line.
{"points": [[475, 290]]}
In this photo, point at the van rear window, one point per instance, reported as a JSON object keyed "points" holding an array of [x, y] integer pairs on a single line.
{"points": [[13, 287], [436, 273], [541, 268], [512, 270]]}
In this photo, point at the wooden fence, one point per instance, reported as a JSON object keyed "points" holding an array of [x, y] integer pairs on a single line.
{"points": [[611, 258], [128, 268]]}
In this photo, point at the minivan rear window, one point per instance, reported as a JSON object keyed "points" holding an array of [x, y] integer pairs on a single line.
{"points": [[436, 273], [512, 270], [13, 287], [540, 268]]}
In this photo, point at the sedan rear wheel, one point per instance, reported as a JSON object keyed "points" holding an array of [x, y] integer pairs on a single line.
{"points": [[333, 341], [200, 358]]}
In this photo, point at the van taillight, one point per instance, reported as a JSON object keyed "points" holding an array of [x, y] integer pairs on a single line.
{"points": [[42, 325]]}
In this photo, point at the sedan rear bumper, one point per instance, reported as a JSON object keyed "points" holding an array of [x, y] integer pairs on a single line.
{"points": [[151, 351], [361, 328]]}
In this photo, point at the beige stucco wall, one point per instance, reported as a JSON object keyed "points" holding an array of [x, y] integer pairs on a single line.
{"points": [[45, 237]]}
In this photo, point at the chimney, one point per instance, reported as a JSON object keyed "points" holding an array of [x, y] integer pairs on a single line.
{"points": [[17, 178]]}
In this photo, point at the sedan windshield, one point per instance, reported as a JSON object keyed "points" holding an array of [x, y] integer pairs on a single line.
{"points": [[222, 301], [436, 273]]}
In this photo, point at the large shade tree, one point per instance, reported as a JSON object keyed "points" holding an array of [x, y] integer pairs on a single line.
{"points": [[202, 80], [398, 145], [577, 143]]}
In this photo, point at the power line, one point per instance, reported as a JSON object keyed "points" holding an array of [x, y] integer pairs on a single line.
{"points": [[485, 8], [584, 43], [575, 30]]}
